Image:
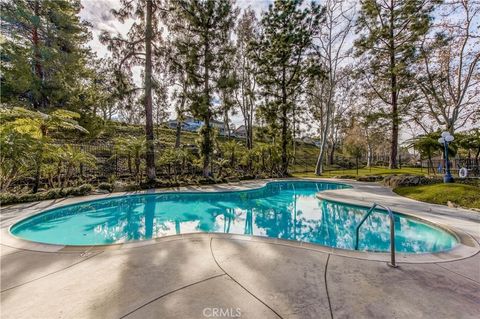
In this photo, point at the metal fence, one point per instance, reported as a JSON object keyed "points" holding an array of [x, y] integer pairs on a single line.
{"points": [[437, 166], [112, 166]]}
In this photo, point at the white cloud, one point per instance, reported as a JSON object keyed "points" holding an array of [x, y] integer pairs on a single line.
{"points": [[98, 13]]}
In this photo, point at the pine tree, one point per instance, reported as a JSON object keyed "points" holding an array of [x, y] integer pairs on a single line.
{"points": [[176, 61], [390, 31], [283, 50], [245, 90], [43, 54], [209, 24], [141, 47]]}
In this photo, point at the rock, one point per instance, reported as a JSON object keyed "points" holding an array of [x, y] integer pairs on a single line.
{"points": [[452, 204], [395, 181], [371, 178], [120, 186], [101, 191], [344, 177]]}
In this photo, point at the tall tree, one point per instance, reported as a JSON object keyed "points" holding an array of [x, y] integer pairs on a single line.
{"points": [[390, 31], [283, 49], [245, 92], [333, 49], [448, 71], [141, 47], [43, 54], [177, 70], [209, 24]]}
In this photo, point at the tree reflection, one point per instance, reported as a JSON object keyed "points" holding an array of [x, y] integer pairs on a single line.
{"points": [[281, 210]]}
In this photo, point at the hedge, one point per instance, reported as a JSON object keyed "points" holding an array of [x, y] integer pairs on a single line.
{"points": [[9, 198]]}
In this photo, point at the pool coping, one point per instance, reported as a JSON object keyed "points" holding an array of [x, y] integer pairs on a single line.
{"points": [[467, 246]]}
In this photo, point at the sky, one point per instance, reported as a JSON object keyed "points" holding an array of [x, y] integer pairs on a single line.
{"points": [[98, 13]]}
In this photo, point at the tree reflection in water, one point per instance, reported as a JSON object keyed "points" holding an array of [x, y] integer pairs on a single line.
{"points": [[286, 210]]}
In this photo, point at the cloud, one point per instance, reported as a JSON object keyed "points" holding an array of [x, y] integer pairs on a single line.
{"points": [[257, 5], [98, 13]]}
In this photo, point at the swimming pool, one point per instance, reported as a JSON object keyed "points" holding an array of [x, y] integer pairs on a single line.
{"points": [[286, 210]]}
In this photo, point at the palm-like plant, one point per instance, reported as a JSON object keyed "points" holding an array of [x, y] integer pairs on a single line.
{"points": [[168, 158], [427, 145], [231, 148], [16, 155], [470, 141], [71, 158], [132, 147], [222, 164], [39, 125]]}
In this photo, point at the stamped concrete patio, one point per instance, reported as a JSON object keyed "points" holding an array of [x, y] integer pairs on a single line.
{"points": [[232, 276]]}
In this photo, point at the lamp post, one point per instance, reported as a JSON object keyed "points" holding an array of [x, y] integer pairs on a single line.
{"points": [[445, 139]]}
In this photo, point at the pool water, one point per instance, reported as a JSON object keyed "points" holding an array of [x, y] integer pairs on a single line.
{"points": [[287, 210]]}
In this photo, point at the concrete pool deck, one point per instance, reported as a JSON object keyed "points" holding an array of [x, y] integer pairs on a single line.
{"points": [[233, 276]]}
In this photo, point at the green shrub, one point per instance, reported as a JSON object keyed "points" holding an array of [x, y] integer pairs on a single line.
{"points": [[106, 186], [9, 198]]}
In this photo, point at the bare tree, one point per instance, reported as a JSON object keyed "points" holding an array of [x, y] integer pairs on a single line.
{"points": [[245, 94], [448, 72], [333, 49]]}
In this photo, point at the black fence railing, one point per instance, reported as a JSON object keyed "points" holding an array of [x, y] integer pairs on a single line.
{"points": [[110, 165], [437, 166]]}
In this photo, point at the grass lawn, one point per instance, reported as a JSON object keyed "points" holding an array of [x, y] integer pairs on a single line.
{"points": [[365, 172], [460, 194]]}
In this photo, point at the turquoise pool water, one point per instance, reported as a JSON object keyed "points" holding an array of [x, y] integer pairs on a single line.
{"points": [[287, 210]]}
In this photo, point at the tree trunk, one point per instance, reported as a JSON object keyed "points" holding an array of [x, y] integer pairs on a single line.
{"points": [[394, 95], [247, 138], [178, 133], [321, 154], [369, 155], [332, 154], [38, 166], [284, 128], [207, 143], [430, 164], [249, 127], [226, 126], [250, 132], [150, 153], [294, 145], [207, 146], [37, 101], [284, 141]]}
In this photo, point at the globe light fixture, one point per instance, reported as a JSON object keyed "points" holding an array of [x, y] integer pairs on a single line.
{"points": [[445, 139]]}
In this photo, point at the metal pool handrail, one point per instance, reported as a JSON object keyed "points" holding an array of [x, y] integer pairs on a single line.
{"points": [[392, 231]]}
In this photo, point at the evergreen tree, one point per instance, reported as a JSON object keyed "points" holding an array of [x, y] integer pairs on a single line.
{"points": [[245, 69], [393, 29], [141, 47], [43, 54], [282, 55], [176, 60], [209, 24]]}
